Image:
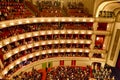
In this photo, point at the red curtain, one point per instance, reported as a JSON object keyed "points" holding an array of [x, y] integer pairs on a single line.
{"points": [[61, 62], [73, 62]]}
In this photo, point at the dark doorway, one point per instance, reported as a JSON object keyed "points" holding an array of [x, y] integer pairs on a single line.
{"points": [[118, 61]]}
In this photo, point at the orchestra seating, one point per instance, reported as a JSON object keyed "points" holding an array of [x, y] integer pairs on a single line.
{"points": [[76, 39]]}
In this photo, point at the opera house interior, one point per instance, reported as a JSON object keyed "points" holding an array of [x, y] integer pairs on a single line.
{"points": [[59, 39]]}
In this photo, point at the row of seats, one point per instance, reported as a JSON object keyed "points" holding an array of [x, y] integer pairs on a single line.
{"points": [[19, 29], [55, 9], [12, 1], [44, 47], [30, 40], [14, 10], [100, 73], [40, 57], [49, 4], [69, 73], [50, 9], [106, 14], [31, 75]]}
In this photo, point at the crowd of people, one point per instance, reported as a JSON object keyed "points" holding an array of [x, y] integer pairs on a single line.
{"points": [[17, 9], [19, 29], [106, 14], [100, 73], [58, 9], [47, 47], [69, 73], [13, 10], [31, 75]]}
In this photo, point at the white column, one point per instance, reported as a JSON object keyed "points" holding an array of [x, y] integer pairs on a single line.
{"points": [[95, 25], [106, 42], [110, 26], [1, 64], [93, 42]]}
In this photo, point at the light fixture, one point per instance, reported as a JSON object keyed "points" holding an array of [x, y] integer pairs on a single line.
{"points": [[63, 31], [43, 42], [84, 20], [80, 50], [7, 42], [56, 41], [97, 38], [29, 35], [82, 32], [55, 50], [27, 21], [69, 31], [36, 33], [24, 58], [49, 20], [74, 50], [3, 25], [19, 22], [87, 50], [16, 51], [43, 52], [62, 50], [37, 54], [43, 32], [18, 61], [0, 45], [70, 20], [91, 20], [49, 51], [9, 55], [56, 20], [77, 20], [12, 23], [42, 20], [56, 31], [69, 41], [11, 66], [23, 48], [81, 41], [75, 41], [31, 55], [49, 42], [49, 32], [63, 19], [35, 20], [14, 39], [76, 31], [62, 41], [21, 36], [89, 32], [68, 50], [88, 41], [5, 72], [30, 45], [36, 44]]}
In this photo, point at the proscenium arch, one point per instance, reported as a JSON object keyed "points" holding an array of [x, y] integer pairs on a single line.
{"points": [[102, 5], [116, 11]]}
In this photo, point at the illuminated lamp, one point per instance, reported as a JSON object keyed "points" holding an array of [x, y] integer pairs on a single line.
{"points": [[35, 20], [11, 23], [3, 25], [19, 22], [27, 21], [68, 50]]}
